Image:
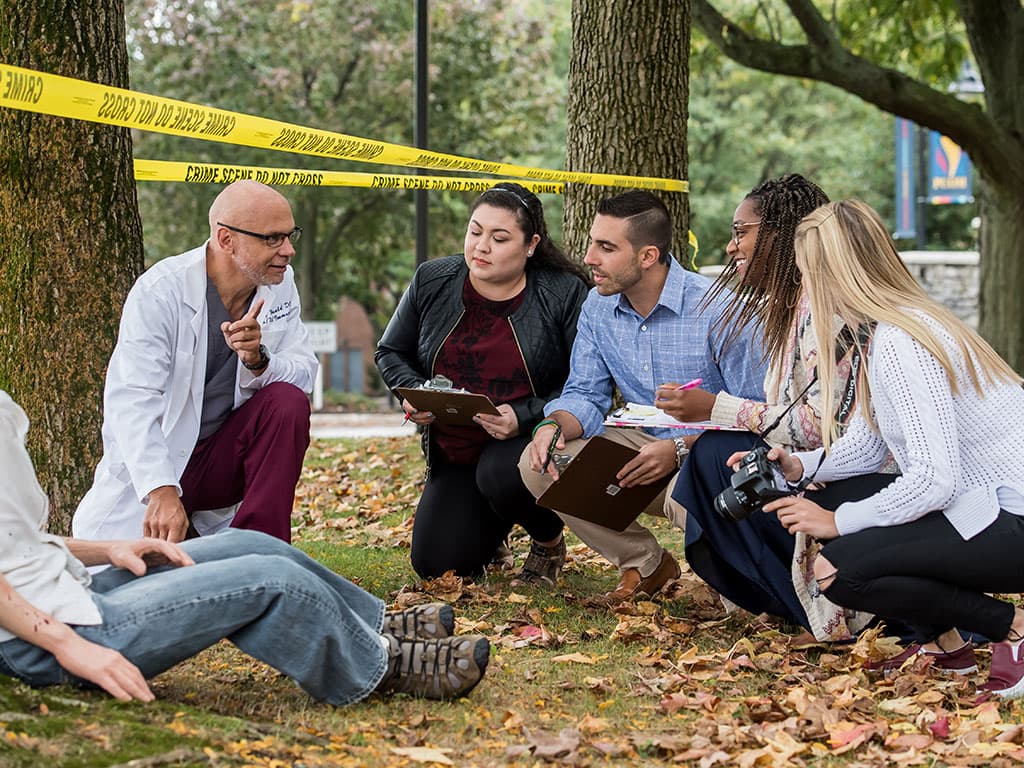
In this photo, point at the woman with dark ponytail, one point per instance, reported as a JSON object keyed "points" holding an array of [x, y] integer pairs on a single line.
{"points": [[498, 320]]}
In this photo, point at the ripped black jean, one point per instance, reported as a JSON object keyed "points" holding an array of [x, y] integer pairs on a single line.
{"points": [[925, 575]]}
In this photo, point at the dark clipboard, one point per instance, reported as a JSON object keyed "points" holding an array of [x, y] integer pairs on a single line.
{"points": [[587, 487], [449, 407]]}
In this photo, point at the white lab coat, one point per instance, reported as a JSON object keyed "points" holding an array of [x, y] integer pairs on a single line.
{"points": [[153, 398]]}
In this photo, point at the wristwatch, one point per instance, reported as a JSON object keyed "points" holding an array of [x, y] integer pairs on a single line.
{"points": [[681, 450], [263, 362]]}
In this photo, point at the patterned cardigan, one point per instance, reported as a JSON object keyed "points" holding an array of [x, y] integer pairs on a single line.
{"points": [[800, 430]]}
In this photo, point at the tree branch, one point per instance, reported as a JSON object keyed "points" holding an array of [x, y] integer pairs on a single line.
{"points": [[819, 32], [342, 222], [995, 150]]}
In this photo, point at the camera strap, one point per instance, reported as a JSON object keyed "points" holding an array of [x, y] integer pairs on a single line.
{"points": [[859, 344], [846, 341]]}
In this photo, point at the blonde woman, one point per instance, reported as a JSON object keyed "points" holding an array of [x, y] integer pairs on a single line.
{"points": [[927, 547]]}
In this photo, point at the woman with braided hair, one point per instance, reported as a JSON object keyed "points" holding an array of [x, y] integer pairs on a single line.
{"points": [[755, 563], [498, 320]]}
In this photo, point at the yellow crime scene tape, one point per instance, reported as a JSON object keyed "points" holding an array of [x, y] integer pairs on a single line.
{"points": [[219, 173], [48, 94]]}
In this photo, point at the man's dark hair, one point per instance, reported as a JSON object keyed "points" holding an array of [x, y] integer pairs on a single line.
{"points": [[650, 223]]}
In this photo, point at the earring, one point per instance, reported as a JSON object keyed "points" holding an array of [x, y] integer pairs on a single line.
{"points": [[529, 253]]}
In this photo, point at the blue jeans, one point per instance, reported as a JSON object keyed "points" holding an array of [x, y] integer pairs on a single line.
{"points": [[268, 598]]}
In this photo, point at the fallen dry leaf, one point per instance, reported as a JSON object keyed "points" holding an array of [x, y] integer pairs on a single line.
{"points": [[424, 754], [577, 658]]}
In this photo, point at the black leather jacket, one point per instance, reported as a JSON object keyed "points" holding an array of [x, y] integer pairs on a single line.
{"points": [[544, 327]]}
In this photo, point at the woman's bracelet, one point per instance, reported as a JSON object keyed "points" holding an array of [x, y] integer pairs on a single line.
{"points": [[543, 423]]}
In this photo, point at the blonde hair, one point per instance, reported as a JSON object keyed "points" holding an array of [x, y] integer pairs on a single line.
{"points": [[852, 270]]}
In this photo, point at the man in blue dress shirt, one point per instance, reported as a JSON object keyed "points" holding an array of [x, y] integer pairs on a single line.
{"points": [[644, 326]]}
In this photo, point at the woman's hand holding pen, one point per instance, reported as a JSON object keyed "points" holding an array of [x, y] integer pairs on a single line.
{"points": [[499, 427], [416, 417], [685, 402]]}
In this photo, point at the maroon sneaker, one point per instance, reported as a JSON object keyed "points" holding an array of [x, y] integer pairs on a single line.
{"points": [[959, 662], [1006, 675]]}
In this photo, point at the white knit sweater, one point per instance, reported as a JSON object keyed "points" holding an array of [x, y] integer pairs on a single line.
{"points": [[957, 453]]}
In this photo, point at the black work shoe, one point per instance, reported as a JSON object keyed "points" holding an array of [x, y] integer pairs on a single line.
{"points": [[432, 621], [542, 565], [435, 669]]}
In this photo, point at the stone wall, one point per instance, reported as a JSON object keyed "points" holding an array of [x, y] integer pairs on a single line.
{"points": [[951, 277]]}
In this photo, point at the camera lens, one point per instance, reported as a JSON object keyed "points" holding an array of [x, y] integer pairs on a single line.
{"points": [[732, 505]]}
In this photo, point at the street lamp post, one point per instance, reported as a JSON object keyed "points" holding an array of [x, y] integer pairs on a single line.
{"points": [[420, 131]]}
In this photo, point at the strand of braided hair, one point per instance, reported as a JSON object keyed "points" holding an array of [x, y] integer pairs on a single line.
{"points": [[771, 302]]}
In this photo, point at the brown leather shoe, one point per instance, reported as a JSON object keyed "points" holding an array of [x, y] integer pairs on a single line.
{"points": [[632, 585]]}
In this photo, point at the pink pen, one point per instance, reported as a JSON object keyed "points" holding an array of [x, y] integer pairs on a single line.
{"points": [[690, 384]]}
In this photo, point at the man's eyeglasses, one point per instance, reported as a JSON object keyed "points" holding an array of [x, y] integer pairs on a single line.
{"points": [[739, 229], [273, 240]]}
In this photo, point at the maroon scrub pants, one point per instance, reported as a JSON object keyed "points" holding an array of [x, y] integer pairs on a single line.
{"points": [[254, 458]]}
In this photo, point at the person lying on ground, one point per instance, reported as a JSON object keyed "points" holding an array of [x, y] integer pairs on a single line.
{"points": [[161, 603]]}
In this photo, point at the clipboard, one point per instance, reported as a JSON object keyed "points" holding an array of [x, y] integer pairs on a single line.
{"points": [[449, 406], [587, 487]]}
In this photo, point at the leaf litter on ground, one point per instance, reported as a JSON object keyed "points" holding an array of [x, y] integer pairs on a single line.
{"points": [[571, 682]]}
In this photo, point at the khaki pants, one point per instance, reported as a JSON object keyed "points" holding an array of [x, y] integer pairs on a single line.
{"points": [[635, 547]]}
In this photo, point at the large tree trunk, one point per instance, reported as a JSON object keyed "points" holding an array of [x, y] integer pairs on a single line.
{"points": [[628, 104], [1001, 315], [72, 241]]}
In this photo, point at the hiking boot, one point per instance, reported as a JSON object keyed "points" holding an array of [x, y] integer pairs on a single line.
{"points": [[957, 662], [432, 621], [1006, 674], [435, 669], [542, 565]]}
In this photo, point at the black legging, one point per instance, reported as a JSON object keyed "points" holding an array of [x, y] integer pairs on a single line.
{"points": [[925, 574], [467, 510]]}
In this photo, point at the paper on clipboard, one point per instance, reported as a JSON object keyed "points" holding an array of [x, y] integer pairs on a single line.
{"points": [[449, 406], [636, 415]]}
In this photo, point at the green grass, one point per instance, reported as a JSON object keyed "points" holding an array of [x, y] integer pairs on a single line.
{"points": [[649, 684]]}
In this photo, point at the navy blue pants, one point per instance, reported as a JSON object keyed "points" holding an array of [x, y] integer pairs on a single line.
{"points": [[747, 561]]}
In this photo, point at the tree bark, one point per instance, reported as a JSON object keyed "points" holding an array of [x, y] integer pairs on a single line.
{"points": [[1001, 311], [72, 241], [993, 136], [628, 105]]}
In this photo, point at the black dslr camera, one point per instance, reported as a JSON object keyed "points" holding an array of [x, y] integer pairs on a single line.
{"points": [[753, 485]]}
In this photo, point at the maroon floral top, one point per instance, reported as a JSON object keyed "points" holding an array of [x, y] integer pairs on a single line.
{"points": [[480, 355]]}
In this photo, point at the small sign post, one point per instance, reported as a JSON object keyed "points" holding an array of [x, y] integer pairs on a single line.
{"points": [[323, 337]]}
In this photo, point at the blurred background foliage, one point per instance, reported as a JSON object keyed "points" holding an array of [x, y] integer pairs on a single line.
{"points": [[498, 92]]}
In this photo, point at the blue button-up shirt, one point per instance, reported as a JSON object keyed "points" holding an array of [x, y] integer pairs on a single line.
{"points": [[674, 343]]}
